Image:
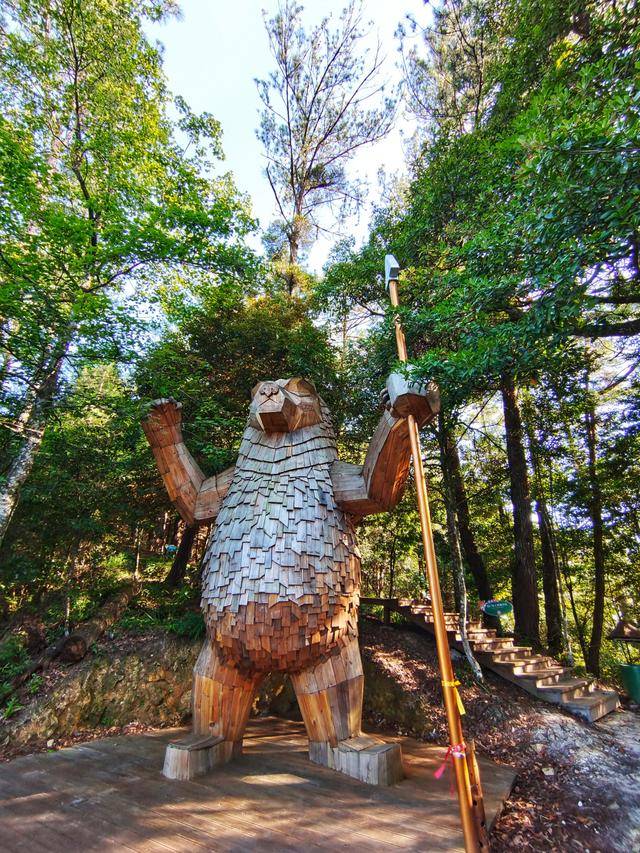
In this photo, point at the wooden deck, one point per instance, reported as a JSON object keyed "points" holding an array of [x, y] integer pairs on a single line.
{"points": [[110, 795]]}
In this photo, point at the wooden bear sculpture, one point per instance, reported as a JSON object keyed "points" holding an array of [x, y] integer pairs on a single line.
{"points": [[281, 573]]}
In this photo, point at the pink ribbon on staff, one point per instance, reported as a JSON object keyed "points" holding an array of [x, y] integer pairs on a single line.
{"points": [[456, 750]]}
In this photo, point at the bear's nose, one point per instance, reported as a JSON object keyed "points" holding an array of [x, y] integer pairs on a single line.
{"points": [[268, 390]]}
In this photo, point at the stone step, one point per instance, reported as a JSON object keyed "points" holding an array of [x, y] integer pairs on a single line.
{"points": [[548, 675], [512, 653], [539, 669], [420, 620], [483, 633], [495, 644], [533, 663], [597, 704], [564, 690], [542, 660], [528, 677]]}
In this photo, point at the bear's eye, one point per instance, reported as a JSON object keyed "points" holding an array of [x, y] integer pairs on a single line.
{"points": [[297, 385]]}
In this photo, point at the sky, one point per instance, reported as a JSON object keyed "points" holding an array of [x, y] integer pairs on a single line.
{"points": [[212, 55]]}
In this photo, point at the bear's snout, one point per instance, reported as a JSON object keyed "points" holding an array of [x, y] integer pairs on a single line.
{"points": [[269, 390]]}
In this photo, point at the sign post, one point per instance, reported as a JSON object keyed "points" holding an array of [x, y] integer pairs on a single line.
{"points": [[462, 757]]}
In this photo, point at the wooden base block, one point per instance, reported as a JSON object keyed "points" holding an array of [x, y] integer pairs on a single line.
{"points": [[196, 755], [368, 759]]}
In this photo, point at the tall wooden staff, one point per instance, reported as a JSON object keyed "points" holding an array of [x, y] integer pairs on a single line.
{"points": [[461, 754]]}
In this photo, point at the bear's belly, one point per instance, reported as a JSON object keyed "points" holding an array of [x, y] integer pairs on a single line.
{"points": [[284, 635], [281, 575]]}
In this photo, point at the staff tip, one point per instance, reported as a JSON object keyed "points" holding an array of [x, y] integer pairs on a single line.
{"points": [[391, 269]]}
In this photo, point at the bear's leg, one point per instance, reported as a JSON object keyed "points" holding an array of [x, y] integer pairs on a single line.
{"points": [[221, 701], [330, 699]]}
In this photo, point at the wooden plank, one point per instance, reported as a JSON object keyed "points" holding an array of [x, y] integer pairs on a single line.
{"points": [[272, 798]]}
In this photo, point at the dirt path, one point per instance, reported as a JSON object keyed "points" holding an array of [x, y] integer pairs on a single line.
{"points": [[582, 791]]}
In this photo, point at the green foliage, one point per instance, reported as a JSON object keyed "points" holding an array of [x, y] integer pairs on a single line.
{"points": [[13, 656], [225, 343], [106, 194], [124, 277], [12, 707], [95, 456], [156, 608], [34, 684], [13, 660]]}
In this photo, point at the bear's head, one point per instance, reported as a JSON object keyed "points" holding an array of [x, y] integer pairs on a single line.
{"points": [[284, 405]]}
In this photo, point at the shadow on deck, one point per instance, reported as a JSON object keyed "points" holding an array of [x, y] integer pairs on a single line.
{"points": [[110, 794]]}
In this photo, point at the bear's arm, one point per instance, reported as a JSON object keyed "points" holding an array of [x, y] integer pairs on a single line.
{"points": [[377, 486], [211, 494], [197, 499]]}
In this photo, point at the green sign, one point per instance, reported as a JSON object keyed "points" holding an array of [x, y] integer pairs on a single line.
{"points": [[497, 608]]}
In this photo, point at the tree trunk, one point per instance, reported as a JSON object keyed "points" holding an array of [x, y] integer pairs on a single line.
{"points": [[294, 248], [566, 637], [467, 539], [74, 647], [30, 425], [137, 545], [72, 561], [392, 568], [553, 616], [42, 662], [202, 538], [548, 550], [178, 568], [459, 584], [574, 610], [6, 359], [451, 468], [460, 587], [595, 511], [524, 583], [77, 644]]}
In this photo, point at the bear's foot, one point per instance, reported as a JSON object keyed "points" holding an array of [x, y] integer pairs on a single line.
{"points": [[363, 757], [196, 755]]}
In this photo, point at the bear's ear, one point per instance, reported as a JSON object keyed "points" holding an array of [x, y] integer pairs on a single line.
{"points": [[254, 390], [302, 387]]}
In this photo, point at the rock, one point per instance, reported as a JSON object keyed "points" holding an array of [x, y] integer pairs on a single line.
{"points": [[548, 771]]}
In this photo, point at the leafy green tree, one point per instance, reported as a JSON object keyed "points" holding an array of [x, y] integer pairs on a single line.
{"points": [[449, 75], [223, 343], [317, 115], [102, 192], [518, 233], [92, 488]]}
